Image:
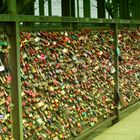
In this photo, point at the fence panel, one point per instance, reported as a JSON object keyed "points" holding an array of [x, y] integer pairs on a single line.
{"points": [[129, 43], [67, 81], [5, 96]]}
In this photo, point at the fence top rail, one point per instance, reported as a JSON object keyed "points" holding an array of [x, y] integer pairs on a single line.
{"points": [[56, 19]]}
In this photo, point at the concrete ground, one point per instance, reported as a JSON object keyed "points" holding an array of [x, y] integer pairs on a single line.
{"points": [[127, 129]]}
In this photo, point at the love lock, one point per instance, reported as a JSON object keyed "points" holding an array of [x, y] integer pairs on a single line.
{"points": [[128, 41], [5, 80], [71, 65]]}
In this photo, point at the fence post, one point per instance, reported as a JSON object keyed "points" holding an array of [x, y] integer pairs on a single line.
{"points": [[86, 6], [13, 34], [41, 7], [116, 74], [49, 8], [101, 8]]}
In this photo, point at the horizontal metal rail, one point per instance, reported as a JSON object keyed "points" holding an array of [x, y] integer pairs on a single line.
{"points": [[56, 19], [91, 129], [13, 22], [123, 113]]}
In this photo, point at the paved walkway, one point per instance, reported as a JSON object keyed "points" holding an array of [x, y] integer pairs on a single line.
{"points": [[126, 129]]}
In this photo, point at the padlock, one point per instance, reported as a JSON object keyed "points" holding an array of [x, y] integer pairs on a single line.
{"points": [[5, 79], [128, 64], [63, 61]]}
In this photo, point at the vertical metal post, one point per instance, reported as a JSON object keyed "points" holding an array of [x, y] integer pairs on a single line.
{"points": [[136, 10], [16, 83], [65, 7], [124, 9], [116, 75], [86, 5], [77, 8], [13, 28], [115, 9], [28, 7], [68, 8], [65, 10], [138, 17], [101, 8], [50, 7], [41, 7], [29, 10], [72, 8], [108, 2], [11, 5]]}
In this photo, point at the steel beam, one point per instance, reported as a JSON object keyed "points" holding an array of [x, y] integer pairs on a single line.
{"points": [[72, 8], [58, 28], [65, 7], [30, 8], [11, 5], [17, 127], [115, 9], [25, 7], [68, 8], [50, 7], [41, 7], [124, 9], [116, 75], [13, 34], [77, 8], [136, 10], [30, 18], [86, 6], [101, 8]]}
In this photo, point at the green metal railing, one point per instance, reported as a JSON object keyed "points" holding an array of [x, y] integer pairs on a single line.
{"points": [[56, 19], [12, 22]]}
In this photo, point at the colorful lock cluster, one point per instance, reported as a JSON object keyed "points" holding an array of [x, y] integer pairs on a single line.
{"points": [[5, 98], [67, 81], [129, 66]]}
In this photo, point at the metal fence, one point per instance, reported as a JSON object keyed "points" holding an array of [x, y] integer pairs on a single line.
{"points": [[67, 80]]}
